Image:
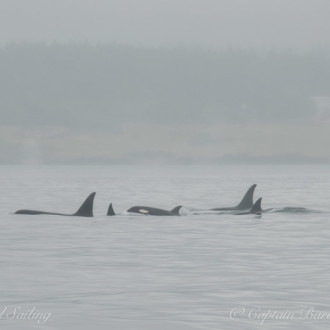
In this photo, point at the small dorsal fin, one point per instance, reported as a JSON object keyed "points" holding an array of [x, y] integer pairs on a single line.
{"points": [[86, 209], [176, 210], [256, 208], [247, 201], [110, 210]]}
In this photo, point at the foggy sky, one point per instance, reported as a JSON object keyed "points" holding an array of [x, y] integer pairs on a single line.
{"points": [[258, 24], [73, 103]]}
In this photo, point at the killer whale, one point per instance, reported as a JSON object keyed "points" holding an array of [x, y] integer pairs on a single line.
{"points": [[147, 210], [85, 210], [245, 204], [154, 211], [255, 209]]}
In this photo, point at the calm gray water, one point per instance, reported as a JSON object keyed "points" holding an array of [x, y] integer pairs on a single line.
{"points": [[197, 271]]}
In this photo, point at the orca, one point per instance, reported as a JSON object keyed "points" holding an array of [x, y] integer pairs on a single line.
{"points": [[147, 210], [255, 209], [245, 204], [154, 211], [85, 210]]}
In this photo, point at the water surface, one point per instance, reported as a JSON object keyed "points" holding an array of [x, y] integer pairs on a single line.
{"points": [[197, 271]]}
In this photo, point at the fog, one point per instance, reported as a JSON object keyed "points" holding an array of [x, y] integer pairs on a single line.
{"points": [[164, 81], [241, 23]]}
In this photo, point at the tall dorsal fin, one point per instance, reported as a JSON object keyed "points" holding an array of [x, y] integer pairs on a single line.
{"points": [[86, 209], [247, 201], [110, 210], [256, 208], [176, 210]]}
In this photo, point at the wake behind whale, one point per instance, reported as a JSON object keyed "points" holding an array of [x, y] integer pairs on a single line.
{"points": [[292, 209]]}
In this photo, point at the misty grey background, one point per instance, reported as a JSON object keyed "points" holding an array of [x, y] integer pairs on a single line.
{"points": [[164, 81], [243, 23]]}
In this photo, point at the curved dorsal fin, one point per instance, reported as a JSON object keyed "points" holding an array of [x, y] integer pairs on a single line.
{"points": [[176, 210], [86, 209], [247, 201], [256, 208], [110, 210]]}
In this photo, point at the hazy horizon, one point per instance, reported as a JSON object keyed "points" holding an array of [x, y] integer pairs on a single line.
{"points": [[166, 81], [253, 24]]}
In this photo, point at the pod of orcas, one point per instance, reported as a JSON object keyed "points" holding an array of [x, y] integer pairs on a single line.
{"points": [[246, 206]]}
